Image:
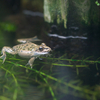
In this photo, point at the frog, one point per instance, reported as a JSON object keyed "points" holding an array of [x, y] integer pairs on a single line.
{"points": [[26, 50]]}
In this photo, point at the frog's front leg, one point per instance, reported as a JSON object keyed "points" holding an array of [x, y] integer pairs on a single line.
{"points": [[30, 62], [6, 49]]}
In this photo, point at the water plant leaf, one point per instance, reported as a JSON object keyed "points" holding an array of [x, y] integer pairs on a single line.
{"points": [[15, 94], [50, 88], [97, 3], [59, 81], [4, 98], [34, 76]]}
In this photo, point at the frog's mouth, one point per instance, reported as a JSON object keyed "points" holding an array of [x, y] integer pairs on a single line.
{"points": [[40, 53]]}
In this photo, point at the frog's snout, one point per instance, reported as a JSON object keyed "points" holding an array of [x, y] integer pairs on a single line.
{"points": [[50, 50]]}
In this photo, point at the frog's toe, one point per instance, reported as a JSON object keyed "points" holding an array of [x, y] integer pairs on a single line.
{"points": [[29, 64], [3, 57]]}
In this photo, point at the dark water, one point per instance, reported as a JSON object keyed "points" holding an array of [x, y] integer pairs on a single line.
{"points": [[75, 40]]}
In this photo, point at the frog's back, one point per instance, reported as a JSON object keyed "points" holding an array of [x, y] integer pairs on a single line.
{"points": [[27, 46]]}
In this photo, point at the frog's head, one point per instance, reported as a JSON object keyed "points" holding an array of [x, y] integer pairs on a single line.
{"points": [[44, 48]]}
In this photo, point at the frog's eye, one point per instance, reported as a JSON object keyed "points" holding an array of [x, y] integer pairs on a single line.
{"points": [[40, 48]]}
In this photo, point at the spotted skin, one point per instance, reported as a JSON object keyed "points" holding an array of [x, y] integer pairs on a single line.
{"points": [[27, 50]]}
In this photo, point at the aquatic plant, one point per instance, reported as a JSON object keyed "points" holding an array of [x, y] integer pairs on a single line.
{"points": [[97, 3], [15, 77]]}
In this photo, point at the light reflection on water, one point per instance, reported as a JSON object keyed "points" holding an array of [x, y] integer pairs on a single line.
{"points": [[31, 13], [66, 37]]}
